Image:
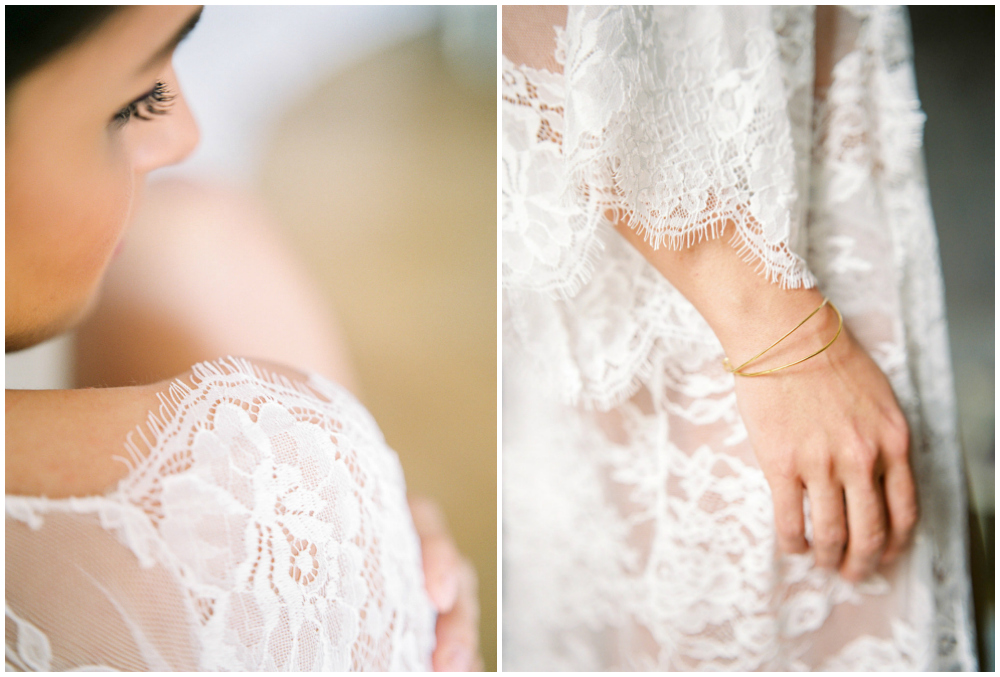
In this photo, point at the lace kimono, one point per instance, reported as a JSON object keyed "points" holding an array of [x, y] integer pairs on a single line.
{"points": [[262, 526], [638, 527]]}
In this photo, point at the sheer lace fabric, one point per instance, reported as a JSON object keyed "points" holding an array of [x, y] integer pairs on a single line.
{"points": [[263, 526], [638, 527]]}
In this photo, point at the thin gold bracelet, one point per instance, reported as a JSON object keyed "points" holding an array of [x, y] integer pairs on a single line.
{"points": [[728, 366]]}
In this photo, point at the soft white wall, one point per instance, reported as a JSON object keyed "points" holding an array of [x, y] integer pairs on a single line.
{"points": [[242, 66]]}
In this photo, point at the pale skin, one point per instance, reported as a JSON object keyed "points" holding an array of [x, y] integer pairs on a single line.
{"points": [[74, 183], [829, 428]]}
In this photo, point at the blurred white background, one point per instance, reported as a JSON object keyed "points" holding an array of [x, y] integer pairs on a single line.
{"points": [[243, 66]]}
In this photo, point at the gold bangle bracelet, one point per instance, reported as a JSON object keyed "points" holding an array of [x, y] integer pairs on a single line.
{"points": [[737, 371]]}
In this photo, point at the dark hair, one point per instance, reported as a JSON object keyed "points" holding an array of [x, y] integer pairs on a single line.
{"points": [[35, 33]]}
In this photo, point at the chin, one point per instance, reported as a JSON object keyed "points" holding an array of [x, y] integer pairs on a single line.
{"points": [[21, 338]]}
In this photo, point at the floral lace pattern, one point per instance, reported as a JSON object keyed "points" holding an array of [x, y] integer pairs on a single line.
{"points": [[281, 516], [547, 242], [706, 140], [629, 482]]}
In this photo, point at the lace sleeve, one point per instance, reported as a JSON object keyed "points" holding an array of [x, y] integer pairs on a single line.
{"points": [[680, 120], [677, 119], [263, 526]]}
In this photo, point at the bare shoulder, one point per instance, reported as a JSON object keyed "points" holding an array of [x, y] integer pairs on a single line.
{"points": [[62, 443]]}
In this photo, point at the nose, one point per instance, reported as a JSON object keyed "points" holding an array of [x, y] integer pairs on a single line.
{"points": [[167, 140]]}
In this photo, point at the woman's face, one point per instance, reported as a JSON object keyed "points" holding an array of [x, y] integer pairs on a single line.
{"points": [[82, 132]]}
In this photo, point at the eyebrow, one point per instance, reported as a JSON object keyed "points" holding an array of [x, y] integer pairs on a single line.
{"points": [[178, 37]]}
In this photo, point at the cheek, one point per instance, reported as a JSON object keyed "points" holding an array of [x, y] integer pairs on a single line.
{"points": [[83, 229], [62, 229]]}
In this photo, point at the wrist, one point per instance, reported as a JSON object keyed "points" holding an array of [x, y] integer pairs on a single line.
{"points": [[746, 311], [802, 317]]}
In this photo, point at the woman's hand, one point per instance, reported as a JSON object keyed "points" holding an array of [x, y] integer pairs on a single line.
{"points": [[831, 427], [451, 584]]}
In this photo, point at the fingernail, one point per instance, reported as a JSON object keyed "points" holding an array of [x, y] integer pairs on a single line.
{"points": [[459, 658], [447, 592]]}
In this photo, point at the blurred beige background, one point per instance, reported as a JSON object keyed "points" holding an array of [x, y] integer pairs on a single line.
{"points": [[384, 179]]}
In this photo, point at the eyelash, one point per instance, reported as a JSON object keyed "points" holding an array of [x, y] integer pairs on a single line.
{"points": [[157, 102]]}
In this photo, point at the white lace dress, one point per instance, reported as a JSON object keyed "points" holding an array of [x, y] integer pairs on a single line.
{"points": [[263, 526], [638, 527]]}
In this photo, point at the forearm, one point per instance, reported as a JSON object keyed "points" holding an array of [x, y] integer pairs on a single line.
{"points": [[745, 310], [201, 275]]}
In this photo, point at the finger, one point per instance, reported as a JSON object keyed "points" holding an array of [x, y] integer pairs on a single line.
{"points": [[440, 557], [427, 516], [457, 631], [866, 528], [826, 503], [901, 500], [789, 521], [441, 571]]}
